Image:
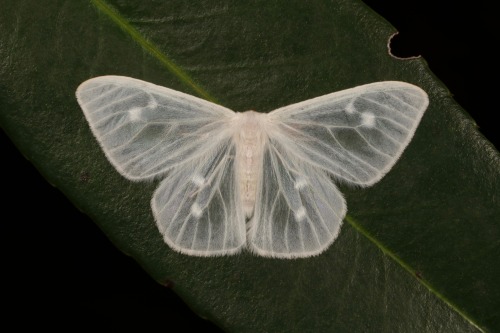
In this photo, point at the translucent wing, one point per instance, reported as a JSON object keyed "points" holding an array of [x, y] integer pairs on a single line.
{"points": [[197, 206], [356, 134], [299, 210], [145, 129]]}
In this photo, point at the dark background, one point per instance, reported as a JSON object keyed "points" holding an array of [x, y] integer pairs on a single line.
{"points": [[64, 268]]}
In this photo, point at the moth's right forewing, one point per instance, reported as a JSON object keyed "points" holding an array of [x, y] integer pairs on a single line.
{"points": [[144, 129]]}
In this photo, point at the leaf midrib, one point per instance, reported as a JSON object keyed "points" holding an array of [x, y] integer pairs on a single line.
{"points": [[188, 81], [152, 49]]}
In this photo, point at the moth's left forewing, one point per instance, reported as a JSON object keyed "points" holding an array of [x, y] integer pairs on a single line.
{"points": [[357, 134]]}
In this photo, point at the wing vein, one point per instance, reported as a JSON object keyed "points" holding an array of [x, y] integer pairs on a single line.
{"points": [[309, 221], [383, 106], [287, 236], [372, 146], [105, 135], [349, 154], [396, 97], [115, 101], [108, 92], [224, 208]]}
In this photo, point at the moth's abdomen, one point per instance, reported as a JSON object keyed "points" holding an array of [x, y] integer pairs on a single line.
{"points": [[249, 139]]}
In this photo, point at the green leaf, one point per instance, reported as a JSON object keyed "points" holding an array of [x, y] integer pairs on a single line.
{"points": [[418, 251]]}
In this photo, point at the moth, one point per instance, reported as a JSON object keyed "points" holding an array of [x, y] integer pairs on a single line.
{"points": [[251, 180]]}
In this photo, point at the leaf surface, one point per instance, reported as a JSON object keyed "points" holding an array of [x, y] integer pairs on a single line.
{"points": [[418, 251]]}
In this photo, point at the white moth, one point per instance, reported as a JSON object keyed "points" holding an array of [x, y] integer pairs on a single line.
{"points": [[250, 180]]}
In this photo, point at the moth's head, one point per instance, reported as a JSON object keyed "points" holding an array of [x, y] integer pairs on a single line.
{"points": [[249, 124]]}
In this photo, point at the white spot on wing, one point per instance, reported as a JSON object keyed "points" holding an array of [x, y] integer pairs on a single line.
{"points": [[198, 180], [196, 210], [135, 114], [368, 119], [300, 183], [300, 214], [349, 108]]}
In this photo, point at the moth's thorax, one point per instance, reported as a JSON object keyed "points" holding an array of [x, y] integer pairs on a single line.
{"points": [[250, 139]]}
